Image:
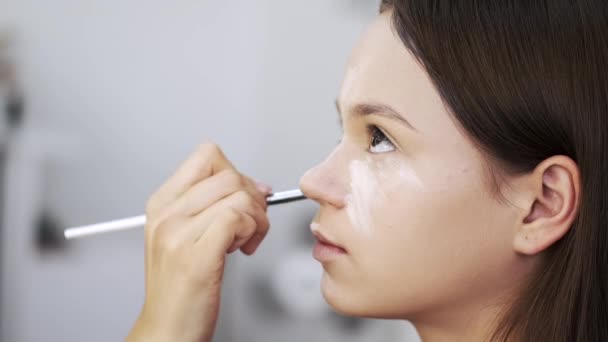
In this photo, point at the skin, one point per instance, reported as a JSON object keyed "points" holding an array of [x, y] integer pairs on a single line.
{"points": [[430, 242], [204, 211]]}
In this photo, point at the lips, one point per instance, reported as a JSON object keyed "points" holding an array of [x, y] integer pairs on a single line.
{"points": [[323, 239]]}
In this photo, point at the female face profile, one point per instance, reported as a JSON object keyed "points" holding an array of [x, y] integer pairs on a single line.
{"points": [[406, 196], [465, 194]]}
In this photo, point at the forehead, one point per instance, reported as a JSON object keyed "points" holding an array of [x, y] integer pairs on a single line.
{"points": [[379, 36], [381, 69], [378, 63]]}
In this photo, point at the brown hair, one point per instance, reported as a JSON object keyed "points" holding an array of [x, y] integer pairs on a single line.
{"points": [[527, 80]]}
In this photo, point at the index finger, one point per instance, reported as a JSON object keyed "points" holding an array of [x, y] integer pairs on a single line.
{"points": [[207, 160]]}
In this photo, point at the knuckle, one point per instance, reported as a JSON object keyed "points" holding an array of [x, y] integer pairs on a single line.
{"points": [[209, 149], [265, 225], [232, 216], [261, 226], [234, 178], [243, 197], [151, 205], [205, 156]]}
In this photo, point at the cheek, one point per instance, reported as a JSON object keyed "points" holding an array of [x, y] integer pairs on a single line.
{"points": [[431, 241], [443, 218], [372, 188], [430, 224], [363, 199], [424, 241], [442, 210], [396, 215]]}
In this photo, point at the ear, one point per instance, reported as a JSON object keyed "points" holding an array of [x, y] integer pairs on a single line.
{"points": [[552, 204]]}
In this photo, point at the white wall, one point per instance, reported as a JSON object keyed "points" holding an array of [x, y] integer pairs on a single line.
{"points": [[125, 90]]}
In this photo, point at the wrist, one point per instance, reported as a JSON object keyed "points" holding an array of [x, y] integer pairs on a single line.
{"points": [[144, 330]]}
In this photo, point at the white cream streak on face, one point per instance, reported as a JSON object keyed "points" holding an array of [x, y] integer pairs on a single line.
{"points": [[368, 179], [364, 191], [395, 171]]}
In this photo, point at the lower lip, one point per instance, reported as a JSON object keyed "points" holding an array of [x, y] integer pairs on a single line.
{"points": [[324, 252]]}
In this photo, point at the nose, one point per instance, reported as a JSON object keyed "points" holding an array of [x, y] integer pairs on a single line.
{"points": [[326, 183]]}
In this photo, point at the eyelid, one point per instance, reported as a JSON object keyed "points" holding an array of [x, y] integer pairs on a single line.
{"points": [[375, 133], [370, 128]]}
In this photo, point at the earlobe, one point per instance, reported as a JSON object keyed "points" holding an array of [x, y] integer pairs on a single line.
{"points": [[553, 208]]}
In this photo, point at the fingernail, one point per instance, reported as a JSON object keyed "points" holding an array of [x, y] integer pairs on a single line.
{"points": [[263, 187]]}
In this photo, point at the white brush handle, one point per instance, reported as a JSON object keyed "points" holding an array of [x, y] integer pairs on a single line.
{"points": [[138, 221], [105, 227]]}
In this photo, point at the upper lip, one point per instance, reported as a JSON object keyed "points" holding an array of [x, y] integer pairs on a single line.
{"points": [[324, 239]]}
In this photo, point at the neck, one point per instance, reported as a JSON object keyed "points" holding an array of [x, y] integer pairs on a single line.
{"points": [[471, 326], [475, 317], [473, 321]]}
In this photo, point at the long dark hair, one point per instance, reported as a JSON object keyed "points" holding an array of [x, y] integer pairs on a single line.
{"points": [[527, 80]]}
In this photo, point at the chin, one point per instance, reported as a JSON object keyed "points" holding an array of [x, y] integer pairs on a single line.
{"points": [[348, 301]]}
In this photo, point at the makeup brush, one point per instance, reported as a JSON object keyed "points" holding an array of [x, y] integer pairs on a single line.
{"points": [[138, 221]]}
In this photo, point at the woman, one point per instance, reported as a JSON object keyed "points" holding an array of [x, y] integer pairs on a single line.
{"points": [[467, 195]]}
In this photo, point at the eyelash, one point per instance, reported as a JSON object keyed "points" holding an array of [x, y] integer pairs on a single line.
{"points": [[378, 137]]}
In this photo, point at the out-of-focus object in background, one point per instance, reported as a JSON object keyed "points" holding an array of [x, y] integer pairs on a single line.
{"points": [[12, 95], [47, 230], [296, 284], [14, 108], [11, 119]]}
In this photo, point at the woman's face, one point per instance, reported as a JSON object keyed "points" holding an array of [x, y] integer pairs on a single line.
{"points": [[406, 195]]}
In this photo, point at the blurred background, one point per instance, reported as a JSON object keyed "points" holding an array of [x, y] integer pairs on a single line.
{"points": [[102, 99]]}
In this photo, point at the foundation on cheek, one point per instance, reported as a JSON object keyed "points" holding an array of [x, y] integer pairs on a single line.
{"points": [[368, 180], [396, 171], [364, 189]]}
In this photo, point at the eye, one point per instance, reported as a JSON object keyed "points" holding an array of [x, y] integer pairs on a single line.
{"points": [[379, 143]]}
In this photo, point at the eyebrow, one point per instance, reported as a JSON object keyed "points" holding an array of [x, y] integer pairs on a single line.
{"points": [[365, 109]]}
